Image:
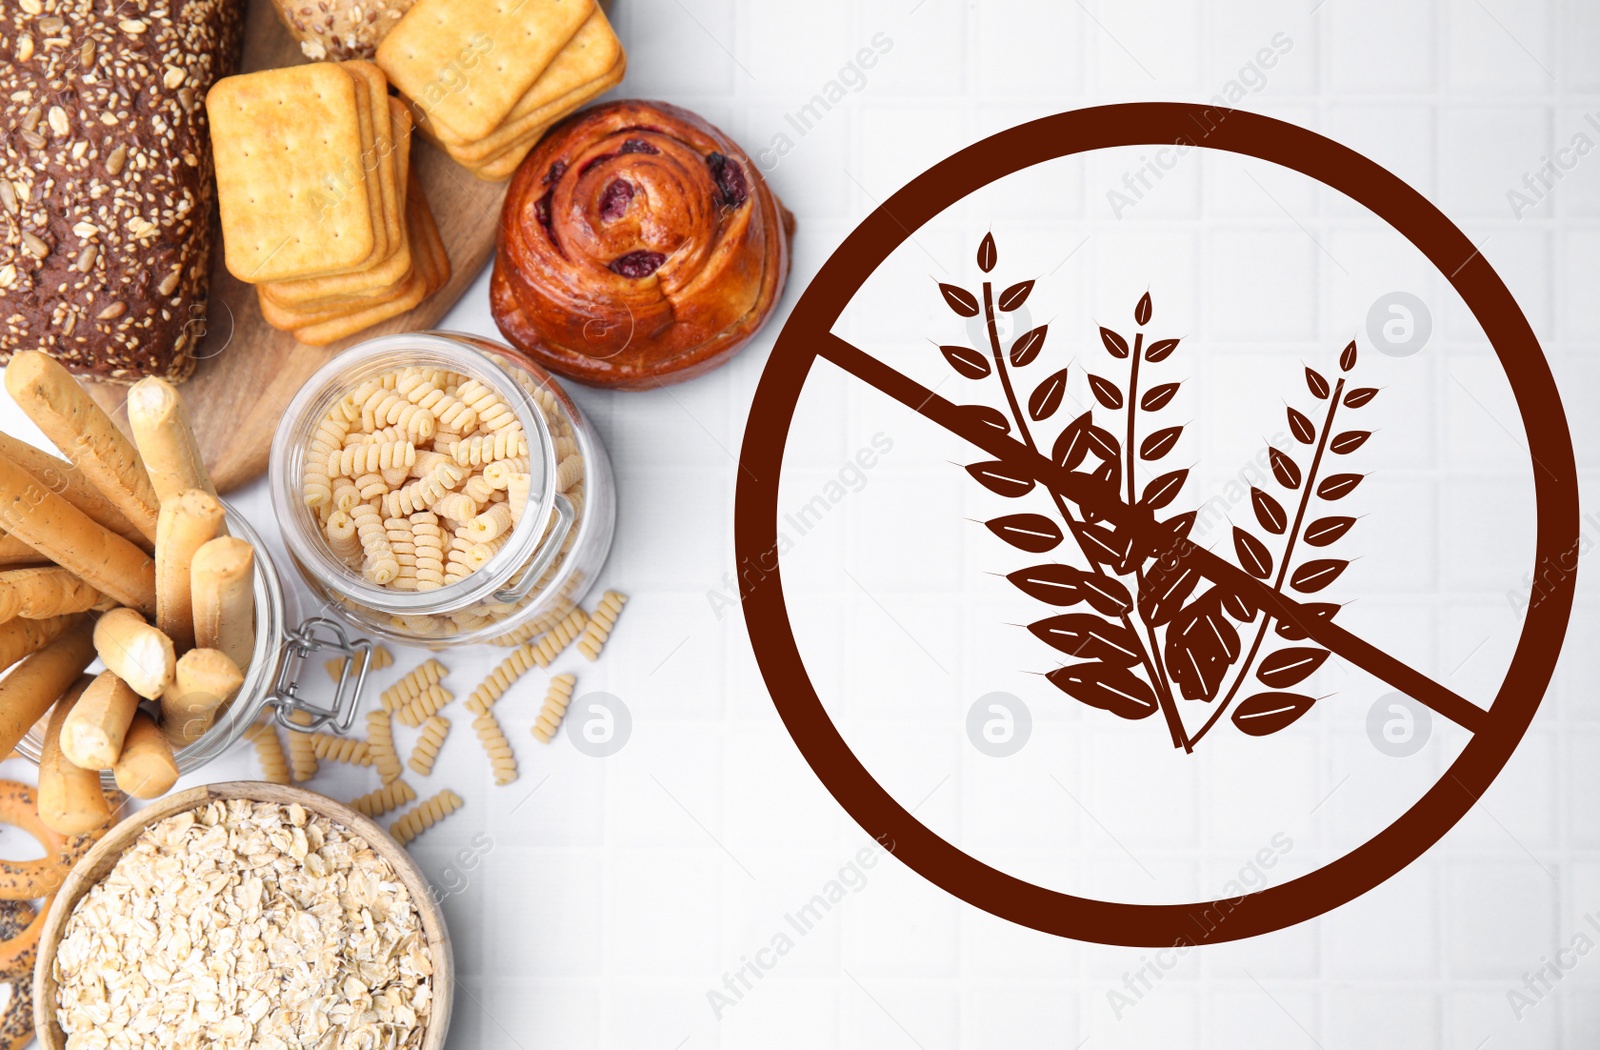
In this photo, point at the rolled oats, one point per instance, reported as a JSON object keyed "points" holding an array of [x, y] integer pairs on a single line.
{"points": [[242, 924]]}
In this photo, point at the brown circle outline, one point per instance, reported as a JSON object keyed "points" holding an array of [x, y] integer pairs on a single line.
{"points": [[756, 516]]}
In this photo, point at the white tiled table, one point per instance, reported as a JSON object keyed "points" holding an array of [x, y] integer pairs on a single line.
{"points": [[600, 903]]}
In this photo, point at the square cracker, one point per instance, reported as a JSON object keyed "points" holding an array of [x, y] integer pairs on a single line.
{"points": [[503, 165], [325, 332], [432, 272], [380, 163], [466, 62], [428, 242], [359, 168], [589, 56], [385, 276], [280, 138]]}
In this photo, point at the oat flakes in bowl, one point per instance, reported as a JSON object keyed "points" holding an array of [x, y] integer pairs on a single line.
{"points": [[240, 921]]}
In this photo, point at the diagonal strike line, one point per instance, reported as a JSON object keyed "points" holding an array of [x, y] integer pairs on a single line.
{"points": [[1142, 525]]}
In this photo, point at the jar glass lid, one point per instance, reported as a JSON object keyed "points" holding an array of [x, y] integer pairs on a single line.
{"points": [[302, 531]]}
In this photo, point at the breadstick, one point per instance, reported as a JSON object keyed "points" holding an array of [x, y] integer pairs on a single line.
{"points": [[188, 520], [205, 679], [68, 482], [67, 536], [36, 594], [14, 554], [140, 654], [85, 435], [34, 684], [21, 637], [222, 590], [145, 769], [166, 441], [92, 735], [70, 799]]}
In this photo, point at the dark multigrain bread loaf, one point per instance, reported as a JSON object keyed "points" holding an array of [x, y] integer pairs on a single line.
{"points": [[107, 188]]}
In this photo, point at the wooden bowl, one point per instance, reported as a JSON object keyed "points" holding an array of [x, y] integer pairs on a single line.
{"points": [[95, 865]]}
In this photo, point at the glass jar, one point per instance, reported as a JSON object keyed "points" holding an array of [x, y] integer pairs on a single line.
{"points": [[552, 554], [272, 679]]}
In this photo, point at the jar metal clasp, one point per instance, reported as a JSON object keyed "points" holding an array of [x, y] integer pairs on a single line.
{"points": [[518, 589], [318, 635]]}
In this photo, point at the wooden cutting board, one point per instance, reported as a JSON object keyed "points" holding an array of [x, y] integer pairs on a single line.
{"points": [[248, 371]]}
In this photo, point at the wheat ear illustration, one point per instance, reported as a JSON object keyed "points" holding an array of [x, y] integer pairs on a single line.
{"points": [[1190, 640]]}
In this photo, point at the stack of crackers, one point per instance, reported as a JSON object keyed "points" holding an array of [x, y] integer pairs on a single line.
{"points": [[320, 209], [485, 80]]}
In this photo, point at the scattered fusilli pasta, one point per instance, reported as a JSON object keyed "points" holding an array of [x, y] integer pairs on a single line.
{"points": [[601, 621], [428, 813], [386, 799], [554, 710], [381, 657], [516, 664], [352, 751], [501, 759], [380, 743], [269, 752], [424, 704], [408, 688], [563, 634], [434, 730]]}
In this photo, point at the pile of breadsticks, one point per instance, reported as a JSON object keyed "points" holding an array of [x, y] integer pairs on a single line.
{"points": [[117, 552]]}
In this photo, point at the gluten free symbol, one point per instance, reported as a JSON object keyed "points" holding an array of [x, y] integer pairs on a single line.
{"points": [[1496, 727]]}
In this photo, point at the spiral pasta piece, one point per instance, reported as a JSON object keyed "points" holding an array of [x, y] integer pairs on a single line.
{"points": [[379, 564], [302, 753], [345, 494], [425, 491], [269, 752], [356, 460], [426, 751], [559, 637], [536, 626], [601, 621], [556, 700], [384, 408], [352, 751], [479, 489], [517, 490], [502, 761], [386, 799], [428, 813], [457, 507], [381, 657], [342, 538], [426, 392], [516, 664], [493, 412], [409, 687], [498, 473], [490, 524], [429, 460], [486, 448], [569, 472], [426, 703], [380, 744]]}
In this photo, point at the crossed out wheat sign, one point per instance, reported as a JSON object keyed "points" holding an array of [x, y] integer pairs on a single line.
{"points": [[1150, 630]]}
